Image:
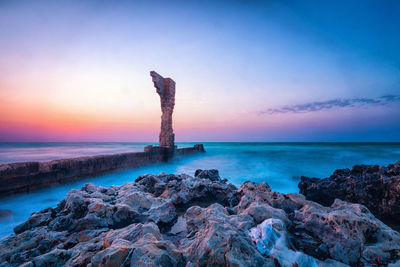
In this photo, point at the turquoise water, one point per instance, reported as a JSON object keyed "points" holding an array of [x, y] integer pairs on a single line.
{"points": [[278, 164]]}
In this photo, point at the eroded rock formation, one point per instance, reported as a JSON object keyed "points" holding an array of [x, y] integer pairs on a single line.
{"points": [[166, 89], [374, 186], [179, 220]]}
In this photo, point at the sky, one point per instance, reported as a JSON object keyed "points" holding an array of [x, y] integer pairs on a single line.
{"points": [[244, 70]]}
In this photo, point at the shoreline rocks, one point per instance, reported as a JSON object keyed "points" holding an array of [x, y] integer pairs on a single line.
{"points": [[376, 187], [180, 220]]}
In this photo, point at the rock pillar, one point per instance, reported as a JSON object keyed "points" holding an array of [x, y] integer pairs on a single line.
{"points": [[166, 89]]}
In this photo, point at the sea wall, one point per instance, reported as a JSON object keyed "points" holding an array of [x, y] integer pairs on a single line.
{"points": [[28, 176]]}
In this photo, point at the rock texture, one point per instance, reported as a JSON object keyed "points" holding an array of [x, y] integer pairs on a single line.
{"points": [[166, 89], [376, 187], [179, 220]]}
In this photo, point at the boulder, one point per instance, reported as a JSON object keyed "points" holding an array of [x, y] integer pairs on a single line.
{"points": [[213, 174], [349, 233], [213, 240], [376, 187]]}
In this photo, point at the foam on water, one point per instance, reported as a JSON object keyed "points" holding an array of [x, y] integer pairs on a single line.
{"points": [[278, 164], [20, 152]]}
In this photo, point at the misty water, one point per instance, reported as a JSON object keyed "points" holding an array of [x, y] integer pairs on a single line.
{"points": [[278, 164]]}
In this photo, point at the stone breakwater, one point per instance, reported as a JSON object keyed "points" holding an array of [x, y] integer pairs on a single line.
{"points": [[180, 220], [27, 176]]}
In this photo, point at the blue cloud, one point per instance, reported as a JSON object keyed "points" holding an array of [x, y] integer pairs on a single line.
{"points": [[333, 103]]}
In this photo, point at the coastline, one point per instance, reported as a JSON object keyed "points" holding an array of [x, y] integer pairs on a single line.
{"points": [[27, 176], [183, 220], [238, 163]]}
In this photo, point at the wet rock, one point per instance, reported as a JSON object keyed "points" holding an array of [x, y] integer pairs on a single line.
{"points": [[261, 212], [215, 241], [162, 211], [112, 256], [349, 232], [213, 174], [260, 194], [185, 191], [37, 219], [378, 188], [56, 257], [124, 216], [179, 220], [179, 227], [148, 183], [149, 251]]}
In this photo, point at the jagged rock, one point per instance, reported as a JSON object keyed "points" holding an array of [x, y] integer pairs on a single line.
{"points": [[179, 227], [119, 244], [261, 212], [179, 220], [214, 240], [184, 190], [149, 251], [261, 193], [37, 219], [374, 186], [166, 89], [213, 175], [316, 242], [350, 232]]}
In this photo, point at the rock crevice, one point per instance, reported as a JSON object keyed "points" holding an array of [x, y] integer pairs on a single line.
{"points": [[376, 187], [180, 220]]}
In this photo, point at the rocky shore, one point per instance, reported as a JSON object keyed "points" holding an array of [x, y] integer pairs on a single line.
{"points": [[180, 220], [377, 187]]}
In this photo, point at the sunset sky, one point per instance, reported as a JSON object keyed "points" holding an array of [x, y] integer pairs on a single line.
{"points": [[244, 70]]}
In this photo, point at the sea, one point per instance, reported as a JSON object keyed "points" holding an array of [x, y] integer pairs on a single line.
{"points": [[279, 164]]}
